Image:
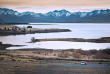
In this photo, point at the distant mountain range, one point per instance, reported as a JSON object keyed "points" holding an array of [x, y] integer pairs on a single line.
{"points": [[61, 16]]}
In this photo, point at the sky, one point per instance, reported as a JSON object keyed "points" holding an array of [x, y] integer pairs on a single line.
{"points": [[44, 6]]}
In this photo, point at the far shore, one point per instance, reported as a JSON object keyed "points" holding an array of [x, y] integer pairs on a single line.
{"points": [[14, 30]]}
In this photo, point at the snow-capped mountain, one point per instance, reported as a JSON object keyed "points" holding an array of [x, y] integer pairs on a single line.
{"points": [[57, 13], [11, 16], [27, 13], [5, 11]]}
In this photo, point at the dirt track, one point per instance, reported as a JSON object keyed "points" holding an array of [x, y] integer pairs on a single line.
{"points": [[16, 67]]}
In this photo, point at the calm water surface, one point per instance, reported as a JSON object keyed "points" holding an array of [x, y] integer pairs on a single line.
{"points": [[78, 30]]}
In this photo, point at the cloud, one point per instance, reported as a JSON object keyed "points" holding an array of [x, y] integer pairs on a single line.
{"points": [[54, 4]]}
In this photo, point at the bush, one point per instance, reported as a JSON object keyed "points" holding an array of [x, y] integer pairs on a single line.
{"points": [[32, 39], [76, 55], [101, 55], [63, 54]]}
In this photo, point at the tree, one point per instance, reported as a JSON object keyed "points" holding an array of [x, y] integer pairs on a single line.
{"points": [[29, 27], [8, 29], [33, 39], [24, 30], [4, 28], [0, 43]]}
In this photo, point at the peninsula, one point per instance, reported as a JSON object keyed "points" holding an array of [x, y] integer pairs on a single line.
{"points": [[99, 40], [14, 30]]}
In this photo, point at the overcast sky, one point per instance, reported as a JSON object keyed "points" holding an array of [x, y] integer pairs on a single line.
{"points": [[43, 6]]}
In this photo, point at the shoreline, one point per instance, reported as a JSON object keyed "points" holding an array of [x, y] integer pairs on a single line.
{"points": [[14, 30], [50, 54], [51, 23], [4, 46], [42, 61], [99, 40]]}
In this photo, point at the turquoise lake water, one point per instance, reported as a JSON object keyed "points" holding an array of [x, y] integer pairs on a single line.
{"points": [[78, 30]]}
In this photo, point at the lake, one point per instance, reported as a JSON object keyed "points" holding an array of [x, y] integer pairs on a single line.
{"points": [[78, 30]]}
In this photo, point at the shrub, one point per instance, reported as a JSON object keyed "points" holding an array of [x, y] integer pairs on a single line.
{"points": [[63, 54], [32, 39], [77, 55]]}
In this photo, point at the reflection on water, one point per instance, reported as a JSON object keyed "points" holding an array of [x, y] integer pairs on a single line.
{"points": [[65, 45], [78, 31]]}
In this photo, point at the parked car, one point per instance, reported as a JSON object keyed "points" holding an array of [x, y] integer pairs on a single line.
{"points": [[83, 63]]}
